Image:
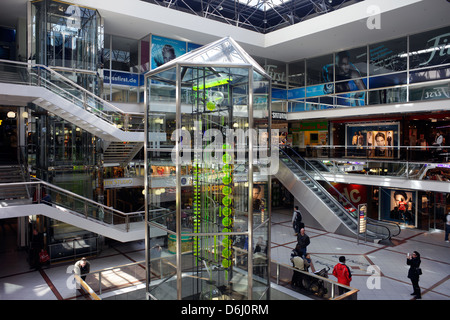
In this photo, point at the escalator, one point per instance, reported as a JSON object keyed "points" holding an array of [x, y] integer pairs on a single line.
{"points": [[327, 207]]}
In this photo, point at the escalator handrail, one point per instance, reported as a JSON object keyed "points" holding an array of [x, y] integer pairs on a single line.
{"points": [[354, 218], [370, 221], [337, 203]]}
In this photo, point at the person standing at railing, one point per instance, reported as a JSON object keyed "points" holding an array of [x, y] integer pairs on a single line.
{"points": [[438, 141], [82, 267], [343, 274]]}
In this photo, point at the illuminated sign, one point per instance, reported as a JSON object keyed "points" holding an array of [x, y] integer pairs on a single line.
{"points": [[362, 218], [123, 182]]}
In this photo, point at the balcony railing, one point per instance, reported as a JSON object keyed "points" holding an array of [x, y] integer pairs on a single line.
{"points": [[22, 73]]}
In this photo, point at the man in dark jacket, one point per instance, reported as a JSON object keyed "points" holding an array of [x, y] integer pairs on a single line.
{"points": [[303, 241]]}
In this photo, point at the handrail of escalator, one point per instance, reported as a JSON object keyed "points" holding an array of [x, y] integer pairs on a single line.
{"points": [[390, 226], [370, 222], [341, 196], [336, 202]]}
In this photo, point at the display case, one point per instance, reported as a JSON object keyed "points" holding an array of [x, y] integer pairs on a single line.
{"points": [[218, 228]]}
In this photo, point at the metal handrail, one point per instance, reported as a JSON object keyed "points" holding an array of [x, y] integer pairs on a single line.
{"points": [[35, 65], [349, 294], [39, 199], [85, 95], [375, 223], [318, 185]]}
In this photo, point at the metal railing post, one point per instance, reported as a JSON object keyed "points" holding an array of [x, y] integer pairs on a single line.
{"points": [[100, 283], [38, 195], [278, 273]]}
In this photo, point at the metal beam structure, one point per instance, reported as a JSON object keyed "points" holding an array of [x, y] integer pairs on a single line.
{"points": [[262, 16]]}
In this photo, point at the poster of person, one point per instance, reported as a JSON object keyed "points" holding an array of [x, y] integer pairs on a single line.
{"points": [[401, 206], [258, 198], [165, 49], [379, 139]]}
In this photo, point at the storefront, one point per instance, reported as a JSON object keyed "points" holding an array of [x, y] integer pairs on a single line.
{"points": [[306, 134]]}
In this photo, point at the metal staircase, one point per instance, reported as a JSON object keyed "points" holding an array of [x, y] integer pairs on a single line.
{"points": [[326, 206], [23, 83], [60, 204], [20, 192], [121, 152]]}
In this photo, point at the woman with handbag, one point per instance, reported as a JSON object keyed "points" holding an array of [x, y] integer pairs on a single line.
{"points": [[414, 272]]}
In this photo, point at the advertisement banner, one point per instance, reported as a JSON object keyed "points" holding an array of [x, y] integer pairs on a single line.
{"points": [[121, 78], [372, 141], [165, 49], [398, 205]]}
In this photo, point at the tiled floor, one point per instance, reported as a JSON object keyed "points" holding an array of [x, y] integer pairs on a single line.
{"points": [[389, 262], [18, 281]]}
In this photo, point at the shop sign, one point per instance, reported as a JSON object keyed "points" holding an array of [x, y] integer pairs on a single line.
{"points": [[122, 182], [310, 126], [121, 78], [362, 218], [279, 115]]}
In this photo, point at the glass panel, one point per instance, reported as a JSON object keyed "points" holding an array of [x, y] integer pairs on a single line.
{"points": [[391, 95], [277, 71], [430, 74], [297, 74], [224, 52], [124, 54], [429, 92], [320, 70], [429, 48], [388, 56], [388, 80], [351, 64], [213, 268]]}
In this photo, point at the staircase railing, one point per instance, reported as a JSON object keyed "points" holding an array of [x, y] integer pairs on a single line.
{"points": [[42, 76], [72, 203]]}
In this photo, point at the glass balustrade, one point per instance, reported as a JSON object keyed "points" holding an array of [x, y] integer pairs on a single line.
{"points": [[407, 162], [42, 76]]}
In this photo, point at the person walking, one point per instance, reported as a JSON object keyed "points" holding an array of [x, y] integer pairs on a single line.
{"points": [[414, 272], [303, 242], [343, 274], [297, 223]]}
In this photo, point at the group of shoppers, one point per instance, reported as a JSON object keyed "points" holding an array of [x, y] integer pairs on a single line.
{"points": [[302, 260]]}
